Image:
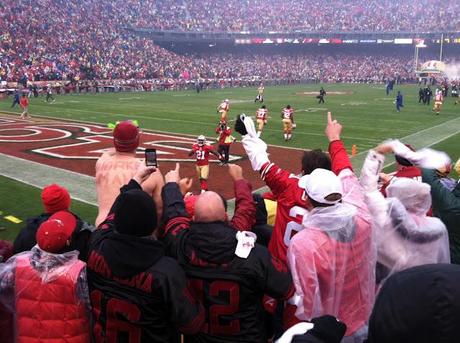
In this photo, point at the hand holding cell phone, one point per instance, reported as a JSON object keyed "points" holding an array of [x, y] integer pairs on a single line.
{"points": [[151, 158]]}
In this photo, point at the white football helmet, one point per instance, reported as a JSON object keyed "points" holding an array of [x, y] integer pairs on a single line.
{"points": [[201, 140], [226, 100]]}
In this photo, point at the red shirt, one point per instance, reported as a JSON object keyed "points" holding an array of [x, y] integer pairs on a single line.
{"points": [[24, 102], [202, 154], [290, 209]]}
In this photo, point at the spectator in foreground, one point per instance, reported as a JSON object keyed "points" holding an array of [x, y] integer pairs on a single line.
{"points": [[446, 206], [138, 294], [226, 268], [332, 260], [242, 220], [404, 168], [117, 166], [418, 305], [291, 204], [405, 235], [46, 289], [54, 198], [445, 202]]}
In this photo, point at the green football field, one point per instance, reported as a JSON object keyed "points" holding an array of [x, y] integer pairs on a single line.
{"points": [[368, 116]]}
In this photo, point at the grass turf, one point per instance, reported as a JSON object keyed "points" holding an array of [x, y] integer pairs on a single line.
{"points": [[367, 114]]}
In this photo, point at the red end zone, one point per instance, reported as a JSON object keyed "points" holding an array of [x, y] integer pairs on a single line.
{"points": [[76, 146]]}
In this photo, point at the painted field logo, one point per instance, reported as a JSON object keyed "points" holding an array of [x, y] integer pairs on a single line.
{"points": [[87, 141]]}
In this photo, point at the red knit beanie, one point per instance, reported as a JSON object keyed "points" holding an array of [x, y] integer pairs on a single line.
{"points": [[126, 136], [55, 198]]}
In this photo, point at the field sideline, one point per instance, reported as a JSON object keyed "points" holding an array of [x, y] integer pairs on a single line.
{"points": [[368, 117]]}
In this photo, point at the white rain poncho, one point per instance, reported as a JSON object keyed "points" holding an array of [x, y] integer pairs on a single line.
{"points": [[405, 235], [332, 260], [47, 294]]}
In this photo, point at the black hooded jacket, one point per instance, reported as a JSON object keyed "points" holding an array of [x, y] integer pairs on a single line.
{"points": [[137, 293]]}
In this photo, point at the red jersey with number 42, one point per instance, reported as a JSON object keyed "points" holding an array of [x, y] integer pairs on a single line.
{"points": [[202, 153], [290, 209]]}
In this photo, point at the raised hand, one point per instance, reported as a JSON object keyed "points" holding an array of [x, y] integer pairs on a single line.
{"points": [[173, 175], [333, 128]]}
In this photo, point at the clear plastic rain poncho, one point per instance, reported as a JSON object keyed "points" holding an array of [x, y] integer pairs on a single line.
{"points": [[44, 296], [405, 235], [332, 260]]}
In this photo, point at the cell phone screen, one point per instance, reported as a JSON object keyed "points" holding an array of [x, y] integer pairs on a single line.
{"points": [[151, 158]]}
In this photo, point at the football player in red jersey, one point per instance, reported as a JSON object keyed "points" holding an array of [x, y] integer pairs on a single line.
{"points": [[202, 149], [223, 109], [287, 115], [261, 118], [438, 99]]}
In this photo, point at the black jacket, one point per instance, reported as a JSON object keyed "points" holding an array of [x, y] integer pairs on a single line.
{"points": [[137, 293], [231, 288]]}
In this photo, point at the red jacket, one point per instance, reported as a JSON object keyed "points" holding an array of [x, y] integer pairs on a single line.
{"points": [[223, 134], [49, 311]]}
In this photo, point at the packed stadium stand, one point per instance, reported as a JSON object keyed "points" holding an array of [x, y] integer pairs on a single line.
{"points": [[55, 40]]}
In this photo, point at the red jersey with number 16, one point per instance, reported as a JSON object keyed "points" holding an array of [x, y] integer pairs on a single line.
{"points": [[202, 153]]}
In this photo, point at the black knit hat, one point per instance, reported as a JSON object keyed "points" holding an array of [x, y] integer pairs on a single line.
{"points": [[135, 213]]}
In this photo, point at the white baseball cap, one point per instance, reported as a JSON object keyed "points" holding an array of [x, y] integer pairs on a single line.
{"points": [[321, 184]]}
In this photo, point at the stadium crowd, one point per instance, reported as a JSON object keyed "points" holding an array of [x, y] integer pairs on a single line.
{"points": [[317, 15], [88, 41], [344, 261], [262, 16]]}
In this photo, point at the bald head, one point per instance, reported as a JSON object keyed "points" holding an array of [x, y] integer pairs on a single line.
{"points": [[209, 208]]}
